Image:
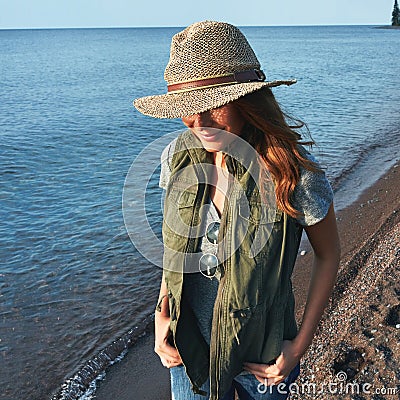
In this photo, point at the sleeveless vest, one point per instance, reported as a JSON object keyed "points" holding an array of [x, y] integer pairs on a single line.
{"points": [[254, 308]]}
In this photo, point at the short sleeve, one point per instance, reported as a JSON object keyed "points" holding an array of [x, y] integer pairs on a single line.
{"points": [[312, 196], [166, 157]]}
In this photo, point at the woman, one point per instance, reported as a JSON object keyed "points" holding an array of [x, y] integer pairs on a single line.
{"points": [[225, 317]]}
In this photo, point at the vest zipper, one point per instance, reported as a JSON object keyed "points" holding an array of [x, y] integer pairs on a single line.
{"points": [[215, 345]]}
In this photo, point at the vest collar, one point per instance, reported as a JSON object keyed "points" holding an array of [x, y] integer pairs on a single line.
{"points": [[239, 155]]}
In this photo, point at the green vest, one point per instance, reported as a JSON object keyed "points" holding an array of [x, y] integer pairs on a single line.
{"points": [[254, 309]]}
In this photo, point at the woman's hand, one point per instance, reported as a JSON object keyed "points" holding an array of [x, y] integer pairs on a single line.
{"points": [[272, 374], [168, 354]]}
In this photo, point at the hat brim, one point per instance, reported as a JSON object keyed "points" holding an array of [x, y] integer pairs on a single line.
{"points": [[182, 104]]}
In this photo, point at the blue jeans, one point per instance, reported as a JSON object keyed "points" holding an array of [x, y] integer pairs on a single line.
{"points": [[246, 386]]}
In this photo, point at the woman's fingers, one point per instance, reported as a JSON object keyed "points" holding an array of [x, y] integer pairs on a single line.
{"points": [[169, 363], [265, 373], [269, 381], [168, 354], [280, 369], [263, 370], [168, 351]]}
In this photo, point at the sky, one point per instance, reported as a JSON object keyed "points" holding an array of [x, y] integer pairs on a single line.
{"points": [[132, 13]]}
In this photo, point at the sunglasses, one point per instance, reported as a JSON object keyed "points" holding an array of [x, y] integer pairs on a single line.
{"points": [[208, 263]]}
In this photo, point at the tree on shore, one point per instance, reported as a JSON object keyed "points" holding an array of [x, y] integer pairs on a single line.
{"points": [[396, 14]]}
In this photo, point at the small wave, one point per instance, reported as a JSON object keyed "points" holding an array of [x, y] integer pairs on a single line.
{"points": [[391, 141], [368, 165], [345, 172], [82, 385]]}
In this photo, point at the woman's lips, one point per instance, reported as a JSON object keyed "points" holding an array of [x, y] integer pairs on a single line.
{"points": [[209, 136]]}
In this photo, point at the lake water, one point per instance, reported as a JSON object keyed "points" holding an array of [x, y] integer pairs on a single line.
{"points": [[74, 292]]}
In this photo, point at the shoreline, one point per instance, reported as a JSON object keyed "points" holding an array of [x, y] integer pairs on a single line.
{"points": [[368, 232]]}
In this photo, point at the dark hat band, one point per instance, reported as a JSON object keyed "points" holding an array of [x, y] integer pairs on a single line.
{"points": [[251, 75]]}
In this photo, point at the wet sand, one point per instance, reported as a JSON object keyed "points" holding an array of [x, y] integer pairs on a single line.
{"points": [[360, 330]]}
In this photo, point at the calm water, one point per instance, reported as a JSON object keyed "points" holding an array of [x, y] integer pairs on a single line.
{"points": [[71, 282]]}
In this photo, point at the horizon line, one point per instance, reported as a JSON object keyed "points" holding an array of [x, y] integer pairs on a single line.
{"points": [[176, 26]]}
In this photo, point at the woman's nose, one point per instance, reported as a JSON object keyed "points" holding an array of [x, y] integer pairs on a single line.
{"points": [[197, 120]]}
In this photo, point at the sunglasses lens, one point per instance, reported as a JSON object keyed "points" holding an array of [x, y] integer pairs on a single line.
{"points": [[212, 232], [208, 265]]}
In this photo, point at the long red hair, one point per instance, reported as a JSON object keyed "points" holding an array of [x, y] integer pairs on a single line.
{"points": [[277, 142]]}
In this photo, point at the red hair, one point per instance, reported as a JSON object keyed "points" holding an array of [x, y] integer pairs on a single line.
{"points": [[277, 142]]}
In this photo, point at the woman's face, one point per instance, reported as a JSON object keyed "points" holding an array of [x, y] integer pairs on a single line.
{"points": [[216, 128]]}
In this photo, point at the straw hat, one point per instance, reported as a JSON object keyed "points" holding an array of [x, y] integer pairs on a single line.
{"points": [[211, 64]]}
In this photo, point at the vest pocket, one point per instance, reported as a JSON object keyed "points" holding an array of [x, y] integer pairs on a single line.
{"points": [[257, 333], [244, 323], [178, 211], [255, 224], [258, 213]]}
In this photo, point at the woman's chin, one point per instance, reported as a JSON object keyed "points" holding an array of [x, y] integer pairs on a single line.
{"points": [[213, 139], [213, 146]]}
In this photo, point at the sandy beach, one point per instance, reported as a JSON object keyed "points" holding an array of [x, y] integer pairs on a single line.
{"points": [[359, 333]]}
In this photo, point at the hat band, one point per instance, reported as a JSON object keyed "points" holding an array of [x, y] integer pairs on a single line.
{"points": [[251, 75]]}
